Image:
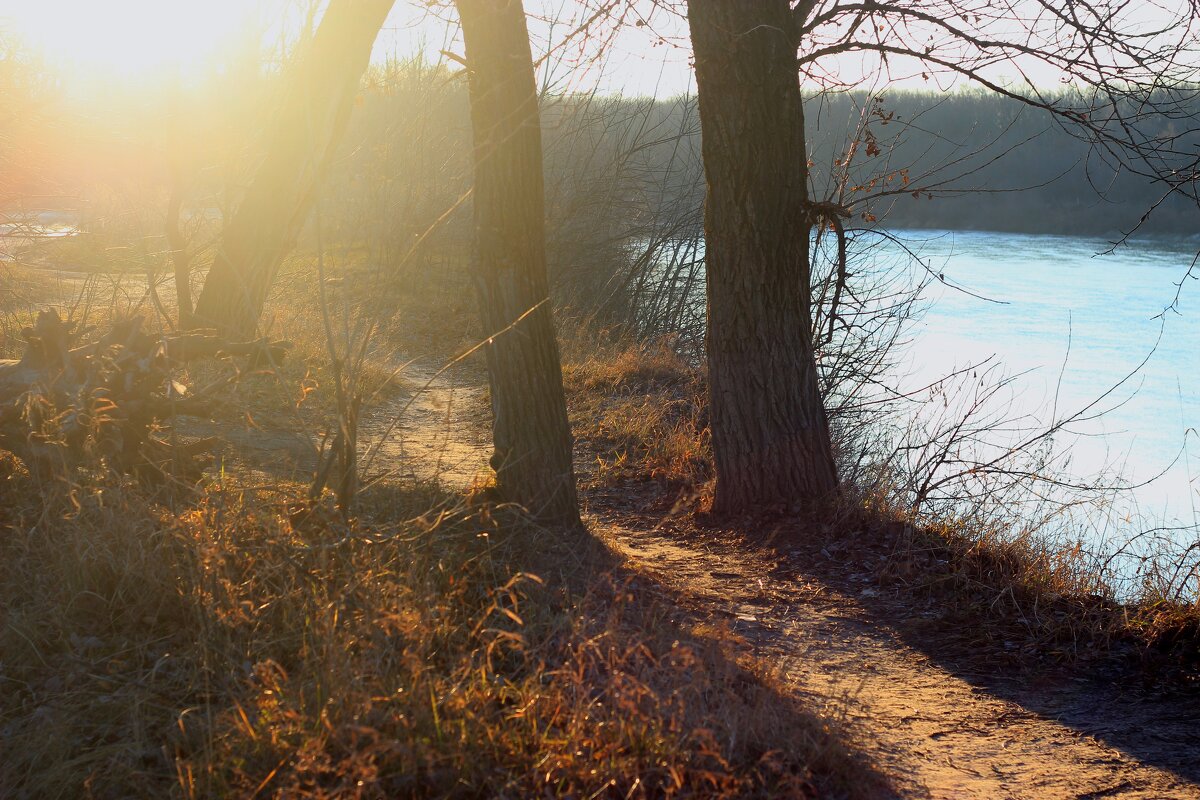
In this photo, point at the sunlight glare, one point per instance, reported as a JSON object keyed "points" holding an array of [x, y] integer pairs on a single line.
{"points": [[124, 38]]}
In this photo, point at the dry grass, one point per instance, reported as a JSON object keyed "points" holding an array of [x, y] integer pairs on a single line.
{"points": [[1025, 595], [641, 410], [221, 647], [231, 643]]}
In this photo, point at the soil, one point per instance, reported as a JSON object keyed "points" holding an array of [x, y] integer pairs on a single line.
{"points": [[939, 718], [938, 723], [437, 430], [433, 426]]}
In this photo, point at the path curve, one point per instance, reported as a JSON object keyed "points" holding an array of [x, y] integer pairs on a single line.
{"points": [[934, 734]]}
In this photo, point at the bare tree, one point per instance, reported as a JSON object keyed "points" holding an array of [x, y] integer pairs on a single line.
{"points": [[299, 145], [1134, 88], [771, 439], [532, 438]]}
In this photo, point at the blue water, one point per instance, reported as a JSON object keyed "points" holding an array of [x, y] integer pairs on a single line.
{"points": [[1077, 323]]}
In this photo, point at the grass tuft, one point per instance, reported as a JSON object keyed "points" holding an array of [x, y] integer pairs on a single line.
{"points": [[641, 411], [431, 648]]}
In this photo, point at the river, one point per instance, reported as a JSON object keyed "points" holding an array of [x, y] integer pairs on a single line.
{"points": [[1072, 322]]}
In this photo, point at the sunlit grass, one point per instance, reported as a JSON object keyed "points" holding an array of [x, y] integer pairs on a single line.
{"points": [[221, 648], [640, 408]]}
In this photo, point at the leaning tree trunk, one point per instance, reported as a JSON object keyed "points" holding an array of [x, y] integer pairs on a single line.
{"points": [[299, 145], [532, 438], [770, 434]]}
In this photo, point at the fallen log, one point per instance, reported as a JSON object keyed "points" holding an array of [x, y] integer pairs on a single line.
{"points": [[104, 402]]}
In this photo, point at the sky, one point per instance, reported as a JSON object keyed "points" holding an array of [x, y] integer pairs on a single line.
{"points": [[129, 40], [123, 38]]}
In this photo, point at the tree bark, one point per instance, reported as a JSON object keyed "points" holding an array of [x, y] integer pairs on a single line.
{"points": [[532, 438], [771, 442], [180, 257], [299, 146]]}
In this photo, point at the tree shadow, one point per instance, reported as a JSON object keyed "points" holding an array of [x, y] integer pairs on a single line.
{"points": [[1109, 691], [580, 563]]}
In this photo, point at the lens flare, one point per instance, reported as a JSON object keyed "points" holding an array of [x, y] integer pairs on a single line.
{"points": [[124, 39]]}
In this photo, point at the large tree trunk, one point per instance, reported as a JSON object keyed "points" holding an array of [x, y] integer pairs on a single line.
{"points": [[770, 433], [532, 438], [299, 145]]}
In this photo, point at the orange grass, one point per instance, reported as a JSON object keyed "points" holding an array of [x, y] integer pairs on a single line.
{"points": [[641, 410], [216, 648]]}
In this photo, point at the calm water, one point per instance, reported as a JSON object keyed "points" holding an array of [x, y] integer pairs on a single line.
{"points": [[1101, 314]]}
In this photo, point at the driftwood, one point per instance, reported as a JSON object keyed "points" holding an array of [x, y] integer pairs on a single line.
{"points": [[103, 403]]}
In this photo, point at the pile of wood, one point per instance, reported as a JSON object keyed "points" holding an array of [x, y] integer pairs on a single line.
{"points": [[80, 400]]}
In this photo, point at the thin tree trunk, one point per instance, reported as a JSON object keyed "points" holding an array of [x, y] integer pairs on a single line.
{"points": [[180, 257], [299, 146], [532, 438], [770, 433]]}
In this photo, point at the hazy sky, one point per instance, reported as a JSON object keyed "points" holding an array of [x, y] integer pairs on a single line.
{"points": [[650, 59], [124, 40]]}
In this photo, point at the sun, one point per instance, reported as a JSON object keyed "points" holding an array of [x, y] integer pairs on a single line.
{"points": [[123, 39]]}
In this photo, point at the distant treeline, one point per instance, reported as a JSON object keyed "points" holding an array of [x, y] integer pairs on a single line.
{"points": [[618, 170], [992, 163], [617, 167]]}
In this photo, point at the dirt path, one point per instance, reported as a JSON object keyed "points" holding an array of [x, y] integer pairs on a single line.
{"points": [[439, 429], [935, 733], [433, 428], [937, 730]]}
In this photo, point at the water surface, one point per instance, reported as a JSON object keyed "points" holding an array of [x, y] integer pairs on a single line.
{"points": [[1078, 322]]}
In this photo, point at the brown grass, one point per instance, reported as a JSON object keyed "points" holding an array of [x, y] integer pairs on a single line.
{"points": [[1036, 598], [229, 643], [222, 647], [640, 409]]}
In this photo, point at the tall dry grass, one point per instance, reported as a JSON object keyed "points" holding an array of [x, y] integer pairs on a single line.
{"points": [[639, 408], [224, 645]]}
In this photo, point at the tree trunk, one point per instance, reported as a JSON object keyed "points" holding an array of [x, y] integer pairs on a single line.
{"points": [[532, 456], [300, 143], [770, 434], [180, 257]]}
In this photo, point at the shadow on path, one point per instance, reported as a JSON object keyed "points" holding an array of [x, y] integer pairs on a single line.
{"points": [[940, 720]]}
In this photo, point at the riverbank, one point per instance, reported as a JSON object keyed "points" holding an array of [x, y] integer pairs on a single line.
{"points": [[240, 640]]}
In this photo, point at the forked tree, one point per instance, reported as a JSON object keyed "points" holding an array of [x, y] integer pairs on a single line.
{"points": [[532, 439], [299, 144]]}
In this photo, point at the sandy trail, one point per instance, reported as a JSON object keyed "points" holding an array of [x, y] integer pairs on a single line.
{"points": [[440, 430], [435, 428], [936, 731]]}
